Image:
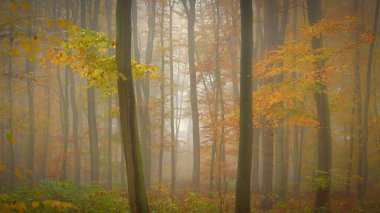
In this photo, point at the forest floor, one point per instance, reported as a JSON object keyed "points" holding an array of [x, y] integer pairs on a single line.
{"points": [[68, 197]]}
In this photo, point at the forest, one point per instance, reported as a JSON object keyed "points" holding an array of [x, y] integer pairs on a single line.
{"points": [[189, 106]]}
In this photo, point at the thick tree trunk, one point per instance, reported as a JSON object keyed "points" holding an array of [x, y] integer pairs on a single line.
{"points": [[322, 199], [128, 112], [243, 180]]}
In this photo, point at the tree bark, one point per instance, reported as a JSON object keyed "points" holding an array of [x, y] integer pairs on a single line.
{"points": [[146, 127], [190, 11], [127, 106], [162, 90], [271, 39], [322, 199], [93, 132], [108, 5], [363, 158], [243, 181], [9, 88], [172, 132]]}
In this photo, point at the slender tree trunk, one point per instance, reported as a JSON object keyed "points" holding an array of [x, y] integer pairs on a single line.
{"points": [[9, 89], [190, 11], [29, 69], [93, 132], [219, 94], [172, 132], [286, 159], [255, 86], [234, 56], [109, 138], [108, 5], [162, 88], [243, 180], [363, 172], [47, 127], [356, 101], [128, 112], [281, 131], [296, 160], [280, 163], [146, 90]]}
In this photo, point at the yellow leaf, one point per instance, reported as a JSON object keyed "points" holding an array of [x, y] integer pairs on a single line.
{"points": [[25, 5], [19, 206], [10, 20], [2, 167], [14, 52], [63, 23], [35, 204], [13, 6], [3, 197], [19, 175], [153, 76]]}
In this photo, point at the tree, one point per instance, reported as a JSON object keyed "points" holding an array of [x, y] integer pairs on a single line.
{"points": [[146, 126], [93, 132], [271, 38], [29, 73], [322, 199], [363, 158], [162, 89], [108, 5], [172, 132], [127, 107], [190, 12], [243, 180]]}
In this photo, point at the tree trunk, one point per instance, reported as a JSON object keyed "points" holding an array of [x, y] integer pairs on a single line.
{"points": [[322, 199], [93, 132], [219, 95], [296, 161], [356, 105], [108, 5], [286, 159], [271, 39], [256, 131], [172, 132], [190, 11], [281, 190], [363, 158], [162, 88], [128, 112], [243, 180], [9, 89], [146, 127]]}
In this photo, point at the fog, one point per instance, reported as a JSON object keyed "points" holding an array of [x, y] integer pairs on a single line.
{"points": [[189, 106]]}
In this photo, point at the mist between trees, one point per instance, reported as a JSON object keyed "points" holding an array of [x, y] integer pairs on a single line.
{"points": [[189, 106]]}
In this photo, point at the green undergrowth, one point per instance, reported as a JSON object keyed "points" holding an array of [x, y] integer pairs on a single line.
{"points": [[66, 196]]}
